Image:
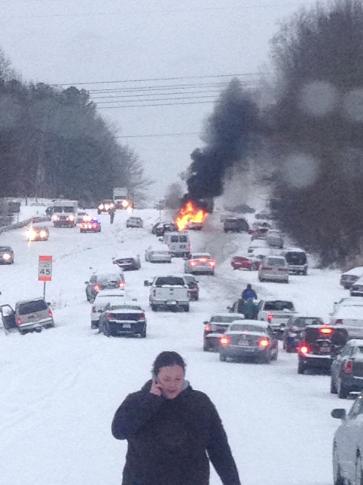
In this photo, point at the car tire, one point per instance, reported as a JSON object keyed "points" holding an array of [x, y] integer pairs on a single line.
{"points": [[154, 308], [300, 368], [266, 359], [337, 477], [186, 308], [333, 387], [106, 330], [206, 347], [358, 471], [222, 357], [143, 333], [342, 391]]}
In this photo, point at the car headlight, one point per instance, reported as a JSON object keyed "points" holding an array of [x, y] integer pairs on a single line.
{"points": [[100, 206], [6, 256], [55, 217], [43, 234], [71, 217]]}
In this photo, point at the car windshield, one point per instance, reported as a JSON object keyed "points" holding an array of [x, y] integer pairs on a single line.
{"points": [[244, 327], [5, 248], [278, 305], [303, 321], [275, 261], [32, 307], [108, 277], [169, 280], [295, 257], [63, 209], [189, 279], [183, 239], [200, 255], [223, 318]]}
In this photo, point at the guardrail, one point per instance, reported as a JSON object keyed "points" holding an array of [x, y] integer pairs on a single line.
{"points": [[23, 223]]}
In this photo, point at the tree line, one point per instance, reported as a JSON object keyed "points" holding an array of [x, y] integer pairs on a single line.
{"points": [[53, 143]]}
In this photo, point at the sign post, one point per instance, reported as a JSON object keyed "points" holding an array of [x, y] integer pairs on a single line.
{"points": [[45, 270]]}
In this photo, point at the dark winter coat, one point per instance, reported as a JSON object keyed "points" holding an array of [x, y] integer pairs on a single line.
{"points": [[170, 440], [249, 293]]}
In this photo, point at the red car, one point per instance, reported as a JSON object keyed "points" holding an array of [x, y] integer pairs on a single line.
{"points": [[244, 262]]}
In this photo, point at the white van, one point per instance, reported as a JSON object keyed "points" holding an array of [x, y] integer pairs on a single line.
{"points": [[178, 243]]}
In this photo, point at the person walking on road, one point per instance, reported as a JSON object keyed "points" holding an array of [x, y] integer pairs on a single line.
{"points": [[249, 293], [172, 431], [112, 215]]}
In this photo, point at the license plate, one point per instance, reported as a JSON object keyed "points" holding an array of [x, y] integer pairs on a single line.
{"points": [[325, 349], [171, 302], [126, 325]]}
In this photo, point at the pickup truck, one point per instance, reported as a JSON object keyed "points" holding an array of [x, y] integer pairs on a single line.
{"points": [[169, 292], [277, 313]]}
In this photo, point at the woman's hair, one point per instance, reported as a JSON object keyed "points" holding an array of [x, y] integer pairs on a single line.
{"points": [[167, 359]]}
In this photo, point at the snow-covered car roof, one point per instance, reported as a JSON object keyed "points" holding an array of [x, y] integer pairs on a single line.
{"points": [[357, 271], [125, 308], [293, 250], [111, 293], [200, 255], [221, 316], [351, 301], [356, 342], [349, 312]]}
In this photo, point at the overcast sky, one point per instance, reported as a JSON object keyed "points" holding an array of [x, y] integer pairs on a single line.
{"points": [[142, 44]]}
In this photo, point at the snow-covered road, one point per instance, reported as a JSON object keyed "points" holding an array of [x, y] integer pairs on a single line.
{"points": [[60, 388]]}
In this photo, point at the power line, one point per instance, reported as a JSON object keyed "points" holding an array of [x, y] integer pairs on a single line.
{"points": [[184, 98], [148, 105], [158, 135], [175, 78]]}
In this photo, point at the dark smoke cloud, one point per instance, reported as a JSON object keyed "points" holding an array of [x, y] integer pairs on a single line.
{"points": [[228, 137]]}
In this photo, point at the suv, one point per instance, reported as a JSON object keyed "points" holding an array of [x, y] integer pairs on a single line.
{"points": [[348, 278], [105, 206], [296, 260], [273, 268], [318, 345], [347, 369], [28, 316], [235, 224], [103, 281], [123, 320], [134, 222]]}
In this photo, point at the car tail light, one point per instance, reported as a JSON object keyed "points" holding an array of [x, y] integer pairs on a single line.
{"points": [[212, 263], [269, 317], [326, 330], [109, 316], [303, 348], [207, 327], [193, 263], [18, 321], [97, 288], [225, 340], [142, 316], [50, 313], [348, 367], [122, 284], [263, 343]]}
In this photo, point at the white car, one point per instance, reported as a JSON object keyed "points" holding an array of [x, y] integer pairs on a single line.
{"points": [[257, 244], [351, 317], [200, 263], [103, 300], [274, 268], [357, 288], [349, 277], [158, 255], [134, 222]]}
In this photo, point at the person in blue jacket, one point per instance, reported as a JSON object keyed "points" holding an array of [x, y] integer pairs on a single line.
{"points": [[249, 293], [173, 431]]}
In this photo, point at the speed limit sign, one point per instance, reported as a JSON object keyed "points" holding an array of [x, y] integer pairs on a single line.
{"points": [[45, 268]]}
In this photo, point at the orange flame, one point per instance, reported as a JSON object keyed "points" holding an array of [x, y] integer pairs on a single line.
{"points": [[189, 212]]}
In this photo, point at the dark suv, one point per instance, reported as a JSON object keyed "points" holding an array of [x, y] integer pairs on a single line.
{"points": [[193, 287], [103, 281], [295, 325], [347, 369], [318, 346], [235, 224]]}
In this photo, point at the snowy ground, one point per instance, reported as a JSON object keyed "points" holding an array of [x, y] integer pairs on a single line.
{"points": [[60, 388]]}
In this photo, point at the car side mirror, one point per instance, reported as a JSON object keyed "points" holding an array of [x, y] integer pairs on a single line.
{"points": [[338, 413], [147, 283], [86, 282], [229, 308]]}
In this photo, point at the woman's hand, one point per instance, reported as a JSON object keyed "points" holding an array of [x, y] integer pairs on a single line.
{"points": [[155, 388]]}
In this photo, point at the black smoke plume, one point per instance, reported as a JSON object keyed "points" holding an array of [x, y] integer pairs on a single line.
{"points": [[228, 135]]}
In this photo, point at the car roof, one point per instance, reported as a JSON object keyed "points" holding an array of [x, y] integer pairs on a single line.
{"points": [[193, 255], [239, 316], [123, 307], [109, 275], [20, 302], [5, 248], [355, 342], [113, 292], [358, 271], [258, 323], [293, 250]]}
